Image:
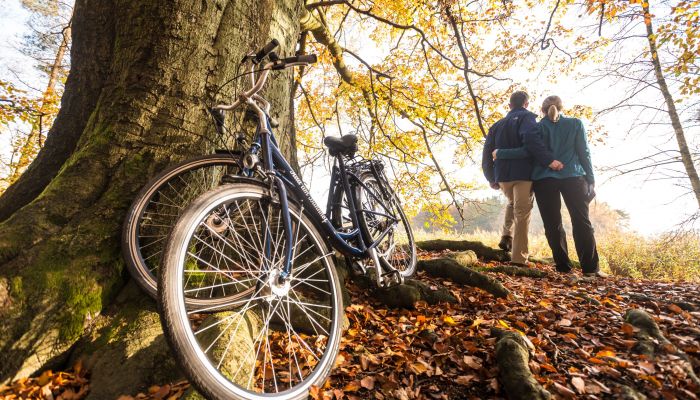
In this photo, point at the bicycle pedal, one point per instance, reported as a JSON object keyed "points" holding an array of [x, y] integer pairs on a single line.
{"points": [[392, 278]]}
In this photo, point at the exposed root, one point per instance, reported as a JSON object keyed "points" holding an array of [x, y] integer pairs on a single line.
{"points": [[482, 251], [514, 270], [450, 269], [649, 335], [406, 295], [466, 258], [512, 358]]}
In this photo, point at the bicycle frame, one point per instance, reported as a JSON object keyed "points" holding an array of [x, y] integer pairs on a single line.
{"points": [[285, 180], [282, 178]]}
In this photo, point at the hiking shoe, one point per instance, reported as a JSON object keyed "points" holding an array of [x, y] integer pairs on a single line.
{"points": [[506, 243], [598, 274]]}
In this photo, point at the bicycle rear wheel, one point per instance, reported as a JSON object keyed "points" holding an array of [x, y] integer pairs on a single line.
{"points": [[274, 343], [157, 206], [380, 213]]}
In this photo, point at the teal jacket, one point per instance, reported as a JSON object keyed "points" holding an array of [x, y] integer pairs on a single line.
{"points": [[566, 140]]}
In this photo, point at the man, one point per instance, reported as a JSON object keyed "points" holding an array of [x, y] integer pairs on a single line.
{"points": [[513, 176]]}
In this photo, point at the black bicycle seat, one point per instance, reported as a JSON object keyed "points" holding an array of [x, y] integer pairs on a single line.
{"points": [[346, 145]]}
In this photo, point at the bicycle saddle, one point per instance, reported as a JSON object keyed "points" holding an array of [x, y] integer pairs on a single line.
{"points": [[346, 145]]}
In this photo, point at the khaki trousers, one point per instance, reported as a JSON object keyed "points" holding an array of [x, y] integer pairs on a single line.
{"points": [[520, 198]]}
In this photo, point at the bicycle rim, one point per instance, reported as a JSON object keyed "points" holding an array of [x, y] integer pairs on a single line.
{"points": [[279, 340]]}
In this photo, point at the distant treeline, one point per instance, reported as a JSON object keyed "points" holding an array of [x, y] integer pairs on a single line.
{"points": [[487, 216]]}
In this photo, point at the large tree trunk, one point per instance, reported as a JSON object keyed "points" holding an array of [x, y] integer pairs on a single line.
{"points": [[142, 74], [686, 156]]}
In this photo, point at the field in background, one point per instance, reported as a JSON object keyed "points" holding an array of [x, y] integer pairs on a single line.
{"points": [[674, 257]]}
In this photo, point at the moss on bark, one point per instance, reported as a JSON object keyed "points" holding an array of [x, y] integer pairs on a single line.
{"points": [[512, 358]]}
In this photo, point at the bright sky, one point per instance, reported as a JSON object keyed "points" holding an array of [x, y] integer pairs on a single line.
{"points": [[653, 205]]}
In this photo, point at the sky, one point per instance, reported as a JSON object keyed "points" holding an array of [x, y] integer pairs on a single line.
{"points": [[654, 206]]}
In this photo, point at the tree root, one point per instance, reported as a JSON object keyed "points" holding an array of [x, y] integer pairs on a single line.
{"points": [[512, 358], [481, 250], [406, 295], [514, 270], [466, 258], [448, 268], [649, 334], [627, 393]]}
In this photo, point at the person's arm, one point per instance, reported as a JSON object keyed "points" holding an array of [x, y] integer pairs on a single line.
{"points": [[487, 164], [533, 141], [584, 154], [511, 154]]}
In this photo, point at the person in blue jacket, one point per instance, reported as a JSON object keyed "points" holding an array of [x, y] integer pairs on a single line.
{"points": [[512, 175], [564, 139]]}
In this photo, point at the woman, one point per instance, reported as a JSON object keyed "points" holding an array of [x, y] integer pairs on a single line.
{"points": [[564, 139]]}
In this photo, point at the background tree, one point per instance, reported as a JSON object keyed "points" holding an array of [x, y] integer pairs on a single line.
{"points": [[653, 53], [434, 78], [47, 44]]}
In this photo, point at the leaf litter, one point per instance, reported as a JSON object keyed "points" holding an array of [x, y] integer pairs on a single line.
{"points": [[580, 345]]}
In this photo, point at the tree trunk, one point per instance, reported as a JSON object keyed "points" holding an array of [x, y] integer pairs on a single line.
{"points": [[686, 156], [142, 74]]}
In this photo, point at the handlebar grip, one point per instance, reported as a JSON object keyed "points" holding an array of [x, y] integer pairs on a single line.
{"points": [[265, 50], [307, 58], [304, 58]]}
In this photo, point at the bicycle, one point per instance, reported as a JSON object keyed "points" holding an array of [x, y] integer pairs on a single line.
{"points": [[261, 247]]}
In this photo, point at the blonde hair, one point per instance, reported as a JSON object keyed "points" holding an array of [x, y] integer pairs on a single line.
{"points": [[551, 107]]}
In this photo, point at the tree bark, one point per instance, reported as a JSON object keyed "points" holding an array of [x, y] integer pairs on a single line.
{"points": [[686, 156], [135, 100]]}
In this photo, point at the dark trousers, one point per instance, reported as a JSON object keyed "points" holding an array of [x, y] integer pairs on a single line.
{"points": [[548, 193]]}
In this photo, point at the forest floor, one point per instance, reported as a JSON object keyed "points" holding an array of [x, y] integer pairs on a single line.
{"points": [[580, 344]]}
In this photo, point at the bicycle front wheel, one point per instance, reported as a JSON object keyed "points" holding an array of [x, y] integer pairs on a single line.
{"points": [[277, 341]]}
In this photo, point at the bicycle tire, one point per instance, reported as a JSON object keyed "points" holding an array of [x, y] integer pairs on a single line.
{"points": [[181, 329]]}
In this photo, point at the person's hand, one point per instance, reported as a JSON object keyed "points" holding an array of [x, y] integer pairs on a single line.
{"points": [[494, 154], [556, 165], [495, 186], [590, 191]]}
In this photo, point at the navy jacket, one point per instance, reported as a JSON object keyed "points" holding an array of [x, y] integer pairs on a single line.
{"points": [[510, 133]]}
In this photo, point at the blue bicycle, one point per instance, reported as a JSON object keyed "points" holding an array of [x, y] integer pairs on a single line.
{"points": [[259, 250]]}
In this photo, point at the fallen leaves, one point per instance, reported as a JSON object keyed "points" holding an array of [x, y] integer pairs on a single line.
{"points": [[579, 344], [69, 385]]}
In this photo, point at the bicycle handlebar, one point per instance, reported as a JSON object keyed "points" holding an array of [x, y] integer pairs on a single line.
{"points": [[304, 59], [267, 49], [251, 97]]}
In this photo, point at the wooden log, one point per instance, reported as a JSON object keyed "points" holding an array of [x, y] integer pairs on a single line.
{"points": [[512, 358], [448, 268]]}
